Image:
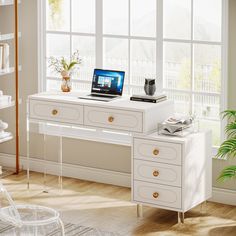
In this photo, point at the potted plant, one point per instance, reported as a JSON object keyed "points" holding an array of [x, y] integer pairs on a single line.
{"points": [[65, 68], [228, 147]]}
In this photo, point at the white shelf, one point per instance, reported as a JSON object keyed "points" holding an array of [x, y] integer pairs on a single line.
{"points": [[7, 2], [4, 37], [3, 140], [8, 71]]}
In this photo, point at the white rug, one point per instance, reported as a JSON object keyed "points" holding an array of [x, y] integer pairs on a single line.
{"points": [[52, 230]]}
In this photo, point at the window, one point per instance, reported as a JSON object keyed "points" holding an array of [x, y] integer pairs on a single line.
{"points": [[180, 43]]}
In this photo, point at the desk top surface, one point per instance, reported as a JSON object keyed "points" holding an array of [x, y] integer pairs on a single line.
{"points": [[120, 103]]}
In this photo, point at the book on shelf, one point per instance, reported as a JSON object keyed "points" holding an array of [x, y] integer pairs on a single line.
{"points": [[146, 98]]}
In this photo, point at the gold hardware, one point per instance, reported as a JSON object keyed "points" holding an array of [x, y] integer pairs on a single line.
{"points": [[155, 152], [155, 173], [111, 118], [155, 195], [54, 112]]}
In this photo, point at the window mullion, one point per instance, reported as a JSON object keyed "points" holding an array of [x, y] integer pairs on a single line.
{"points": [[159, 45], [129, 48], [99, 33], [70, 27], [192, 60]]}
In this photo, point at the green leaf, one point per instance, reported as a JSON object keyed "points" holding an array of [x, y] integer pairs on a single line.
{"points": [[72, 64], [228, 147], [227, 173], [64, 64], [230, 129], [229, 114]]}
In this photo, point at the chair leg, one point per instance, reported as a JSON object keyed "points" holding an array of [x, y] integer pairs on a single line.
{"points": [[62, 227], [17, 230]]}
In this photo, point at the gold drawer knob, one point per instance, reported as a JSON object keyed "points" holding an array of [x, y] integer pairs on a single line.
{"points": [[155, 195], [111, 119], [155, 173], [54, 112], [155, 152]]}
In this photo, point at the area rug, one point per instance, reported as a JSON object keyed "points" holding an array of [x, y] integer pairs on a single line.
{"points": [[70, 230]]}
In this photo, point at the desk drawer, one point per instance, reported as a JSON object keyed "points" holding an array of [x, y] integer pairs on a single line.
{"points": [[157, 173], [157, 151], [113, 119], [50, 111], [157, 194]]}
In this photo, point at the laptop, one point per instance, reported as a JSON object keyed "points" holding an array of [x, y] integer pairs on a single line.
{"points": [[107, 85]]}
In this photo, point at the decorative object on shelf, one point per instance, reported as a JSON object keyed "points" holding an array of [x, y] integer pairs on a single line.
{"points": [[150, 87], [147, 98], [4, 56], [65, 68], [178, 126], [3, 126], [4, 99], [228, 147]]}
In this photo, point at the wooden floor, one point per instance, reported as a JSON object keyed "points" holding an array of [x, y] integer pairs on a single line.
{"points": [[109, 208]]}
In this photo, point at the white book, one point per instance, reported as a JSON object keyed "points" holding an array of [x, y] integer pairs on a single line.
{"points": [[156, 96]]}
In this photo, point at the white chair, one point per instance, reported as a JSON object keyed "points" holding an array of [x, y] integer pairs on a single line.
{"points": [[29, 219]]}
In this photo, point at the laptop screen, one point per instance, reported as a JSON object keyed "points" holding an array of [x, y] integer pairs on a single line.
{"points": [[108, 81]]}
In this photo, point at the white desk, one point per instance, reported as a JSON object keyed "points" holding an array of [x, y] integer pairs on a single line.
{"points": [[121, 115], [167, 172]]}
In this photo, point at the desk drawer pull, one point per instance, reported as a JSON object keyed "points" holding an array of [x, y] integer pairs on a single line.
{"points": [[54, 112], [155, 173], [111, 119], [155, 195], [155, 152]]}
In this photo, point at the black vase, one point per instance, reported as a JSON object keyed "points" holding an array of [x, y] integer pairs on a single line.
{"points": [[150, 87]]}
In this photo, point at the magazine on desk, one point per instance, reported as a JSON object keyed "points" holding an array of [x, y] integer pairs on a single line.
{"points": [[174, 125]]}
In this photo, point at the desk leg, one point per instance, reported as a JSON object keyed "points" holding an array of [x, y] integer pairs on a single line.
{"points": [[60, 165], [140, 210], [181, 217], [45, 165], [27, 153]]}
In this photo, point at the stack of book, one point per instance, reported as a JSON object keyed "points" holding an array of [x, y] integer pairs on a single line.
{"points": [[146, 98]]}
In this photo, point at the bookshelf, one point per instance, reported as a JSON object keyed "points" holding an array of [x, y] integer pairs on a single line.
{"points": [[14, 36]]}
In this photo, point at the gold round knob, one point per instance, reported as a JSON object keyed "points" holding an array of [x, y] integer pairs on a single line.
{"points": [[155, 152], [155, 173], [155, 195], [111, 118], [54, 112]]}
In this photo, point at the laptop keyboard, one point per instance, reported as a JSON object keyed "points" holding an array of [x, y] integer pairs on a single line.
{"points": [[103, 96]]}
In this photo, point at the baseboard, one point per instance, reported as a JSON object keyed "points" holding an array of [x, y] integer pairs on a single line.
{"points": [[219, 195], [70, 170], [224, 196]]}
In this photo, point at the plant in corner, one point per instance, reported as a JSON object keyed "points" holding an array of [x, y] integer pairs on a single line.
{"points": [[65, 68], [228, 147]]}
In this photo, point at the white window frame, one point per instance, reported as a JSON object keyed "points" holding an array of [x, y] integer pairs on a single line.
{"points": [[159, 48]]}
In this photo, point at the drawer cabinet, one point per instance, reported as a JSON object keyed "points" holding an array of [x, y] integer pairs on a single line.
{"points": [[157, 151], [172, 173], [157, 194], [113, 119], [58, 112], [157, 173]]}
